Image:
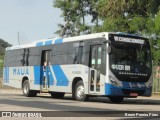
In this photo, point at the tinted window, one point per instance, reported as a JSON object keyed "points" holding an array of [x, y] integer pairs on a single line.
{"points": [[75, 53], [60, 53]]}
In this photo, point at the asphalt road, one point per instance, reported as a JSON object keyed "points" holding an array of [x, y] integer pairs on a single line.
{"points": [[13, 100]]}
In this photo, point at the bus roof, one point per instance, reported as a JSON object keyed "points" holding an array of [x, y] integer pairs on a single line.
{"points": [[58, 40]]}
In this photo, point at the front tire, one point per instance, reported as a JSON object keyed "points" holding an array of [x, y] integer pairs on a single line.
{"points": [[79, 92], [116, 99], [26, 90]]}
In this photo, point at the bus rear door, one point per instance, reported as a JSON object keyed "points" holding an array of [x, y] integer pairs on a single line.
{"points": [[46, 57]]}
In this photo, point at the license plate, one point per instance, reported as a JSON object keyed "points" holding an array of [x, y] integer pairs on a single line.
{"points": [[134, 94]]}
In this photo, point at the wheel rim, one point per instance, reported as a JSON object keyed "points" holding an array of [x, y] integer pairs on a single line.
{"points": [[80, 91], [25, 88]]}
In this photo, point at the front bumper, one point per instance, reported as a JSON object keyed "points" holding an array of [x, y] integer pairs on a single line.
{"points": [[111, 90]]}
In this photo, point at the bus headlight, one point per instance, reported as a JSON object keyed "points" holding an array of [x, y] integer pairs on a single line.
{"points": [[113, 81]]}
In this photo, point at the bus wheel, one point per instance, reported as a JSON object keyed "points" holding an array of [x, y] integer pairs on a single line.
{"points": [[57, 94], [79, 92], [26, 90], [117, 99]]}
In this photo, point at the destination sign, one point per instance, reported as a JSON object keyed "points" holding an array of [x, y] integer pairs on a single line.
{"points": [[127, 39]]}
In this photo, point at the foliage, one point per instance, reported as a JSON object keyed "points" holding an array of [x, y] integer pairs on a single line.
{"points": [[135, 17], [75, 14], [131, 16], [3, 46]]}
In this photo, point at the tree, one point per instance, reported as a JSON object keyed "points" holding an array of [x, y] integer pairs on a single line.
{"points": [[3, 46], [134, 16], [131, 16], [75, 13]]}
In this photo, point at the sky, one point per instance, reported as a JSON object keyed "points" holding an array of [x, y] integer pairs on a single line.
{"points": [[33, 19]]}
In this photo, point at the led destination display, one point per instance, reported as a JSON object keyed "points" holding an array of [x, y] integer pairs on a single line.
{"points": [[128, 39]]}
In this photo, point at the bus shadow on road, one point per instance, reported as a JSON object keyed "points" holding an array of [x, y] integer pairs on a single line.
{"points": [[39, 104], [138, 101], [135, 101], [68, 99]]}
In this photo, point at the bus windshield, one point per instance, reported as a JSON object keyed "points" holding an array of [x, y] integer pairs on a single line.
{"points": [[130, 59]]}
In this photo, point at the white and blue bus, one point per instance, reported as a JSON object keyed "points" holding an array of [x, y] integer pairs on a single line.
{"points": [[115, 65]]}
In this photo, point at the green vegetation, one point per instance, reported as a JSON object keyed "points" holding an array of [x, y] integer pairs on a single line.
{"points": [[75, 14], [131, 16], [3, 46]]}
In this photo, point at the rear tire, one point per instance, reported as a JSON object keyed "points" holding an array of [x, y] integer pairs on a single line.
{"points": [[26, 90], [117, 99], [57, 95], [79, 92]]}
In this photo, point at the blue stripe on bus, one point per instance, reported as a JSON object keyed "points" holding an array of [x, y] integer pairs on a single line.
{"points": [[7, 74], [39, 44], [37, 75], [50, 77], [60, 76], [125, 84], [137, 85], [57, 41], [49, 42], [112, 90]]}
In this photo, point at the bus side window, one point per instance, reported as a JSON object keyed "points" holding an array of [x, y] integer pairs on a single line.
{"points": [[60, 54], [75, 53]]}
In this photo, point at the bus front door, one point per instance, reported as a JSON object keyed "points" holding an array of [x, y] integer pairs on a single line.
{"points": [[46, 55], [95, 67]]}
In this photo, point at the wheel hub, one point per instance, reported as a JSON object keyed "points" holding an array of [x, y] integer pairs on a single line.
{"points": [[80, 91], [26, 88]]}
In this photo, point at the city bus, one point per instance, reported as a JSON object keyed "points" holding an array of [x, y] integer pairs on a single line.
{"points": [[110, 64]]}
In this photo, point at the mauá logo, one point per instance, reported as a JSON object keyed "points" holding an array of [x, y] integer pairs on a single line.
{"points": [[20, 71]]}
